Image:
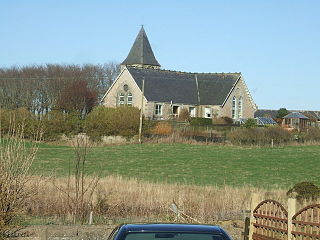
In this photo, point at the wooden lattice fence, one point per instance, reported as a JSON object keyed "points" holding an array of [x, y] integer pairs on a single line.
{"points": [[271, 221], [306, 223]]}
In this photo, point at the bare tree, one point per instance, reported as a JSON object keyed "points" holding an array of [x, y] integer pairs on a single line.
{"points": [[80, 187], [40, 88], [16, 157]]}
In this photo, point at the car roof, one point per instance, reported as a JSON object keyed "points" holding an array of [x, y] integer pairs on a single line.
{"points": [[171, 227]]}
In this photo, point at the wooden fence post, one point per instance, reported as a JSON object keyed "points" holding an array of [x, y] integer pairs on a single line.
{"points": [[254, 203], [292, 203]]}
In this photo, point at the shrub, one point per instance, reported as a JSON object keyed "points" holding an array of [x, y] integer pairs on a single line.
{"points": [[304, 190], [16, 157], [103, 121], [184, 115], [260, 136], [282, 112], [11, 119], [251, 122], [200, 121], [56, 123], [313, 134], [148, 125], [223, 120], [162, 128]]}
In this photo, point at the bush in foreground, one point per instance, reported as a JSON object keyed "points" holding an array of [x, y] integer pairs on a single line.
{"points": [[16, 157], [304, 190]]}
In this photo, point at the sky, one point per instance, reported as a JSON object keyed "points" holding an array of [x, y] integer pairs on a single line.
{"points": [[275, 44]]}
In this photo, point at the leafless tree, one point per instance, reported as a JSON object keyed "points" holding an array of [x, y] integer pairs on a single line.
{"points": [[16, 157], [80, 187], [39, 88]]}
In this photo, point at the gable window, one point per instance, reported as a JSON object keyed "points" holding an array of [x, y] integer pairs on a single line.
{"points": [[207, 112], [192, 111], [129, 99], [234, 108], [240, 107], [121, 99], [158, 110]]}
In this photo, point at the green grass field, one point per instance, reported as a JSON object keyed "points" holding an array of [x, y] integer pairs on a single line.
{"points": [[191, 164]]}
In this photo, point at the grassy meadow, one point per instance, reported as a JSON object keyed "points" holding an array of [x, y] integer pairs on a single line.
{"points": [[278, 167]]}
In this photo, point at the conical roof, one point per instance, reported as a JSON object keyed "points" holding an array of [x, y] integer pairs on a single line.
{"points": [[141, 51]]}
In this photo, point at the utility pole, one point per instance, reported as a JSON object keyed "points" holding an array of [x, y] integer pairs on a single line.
{"points": [[141, 112]]}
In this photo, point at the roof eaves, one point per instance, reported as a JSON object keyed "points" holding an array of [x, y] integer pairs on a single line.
{"points": [[234, 85]]}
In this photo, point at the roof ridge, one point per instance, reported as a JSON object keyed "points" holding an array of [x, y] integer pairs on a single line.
{"points": [[177, 71]]}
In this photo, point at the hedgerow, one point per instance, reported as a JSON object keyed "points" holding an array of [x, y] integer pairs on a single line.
{"points": [[260, 136], [121, 121]]}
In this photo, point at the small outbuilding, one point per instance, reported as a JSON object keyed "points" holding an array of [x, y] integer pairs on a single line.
{"points": [[295, 120]]}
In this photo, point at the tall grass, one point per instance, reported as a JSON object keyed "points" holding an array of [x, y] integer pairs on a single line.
{"points": [[116, 197]]}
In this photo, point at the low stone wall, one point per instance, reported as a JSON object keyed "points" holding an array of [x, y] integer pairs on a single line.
{"points": [[116, 140]]}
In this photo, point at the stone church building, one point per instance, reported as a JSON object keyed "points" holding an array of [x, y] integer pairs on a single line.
{"points": [[166, 92]]}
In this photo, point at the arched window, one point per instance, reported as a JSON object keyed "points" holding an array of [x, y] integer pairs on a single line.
{"points": [[234, 108], [129, 99], [121, 99], [240, 107]]}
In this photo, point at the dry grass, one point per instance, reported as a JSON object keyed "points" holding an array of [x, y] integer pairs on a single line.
{"points": [[116, 197]]}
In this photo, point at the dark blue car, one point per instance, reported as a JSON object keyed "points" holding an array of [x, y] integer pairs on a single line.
{"points": [[160, 231]]}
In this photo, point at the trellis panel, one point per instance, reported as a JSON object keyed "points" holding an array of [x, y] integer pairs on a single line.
{"points": [[270, 221], [306, 223]]}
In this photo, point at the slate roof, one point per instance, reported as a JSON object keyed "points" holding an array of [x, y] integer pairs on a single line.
{"points": [[141, 51], [296, 115], [266, 121], [315, 115], [266, 113], [312, 115], [182, 87]]}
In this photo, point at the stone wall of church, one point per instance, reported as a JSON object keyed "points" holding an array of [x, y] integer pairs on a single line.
{"points": [[248, 107], [125, 85]]}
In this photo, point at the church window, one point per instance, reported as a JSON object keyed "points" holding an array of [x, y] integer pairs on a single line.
{"points": [[158, 110], [240, 107], [121, 99], [234, 108], [129, 99], [192, 111]]}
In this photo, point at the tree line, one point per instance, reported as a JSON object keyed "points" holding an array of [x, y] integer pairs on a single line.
{"points": [[43, 88]]}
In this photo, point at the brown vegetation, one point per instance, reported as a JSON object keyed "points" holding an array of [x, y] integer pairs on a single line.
{"points": [[162, 128], [184, 115], [116, 197], [16, 157], [260, 136]]}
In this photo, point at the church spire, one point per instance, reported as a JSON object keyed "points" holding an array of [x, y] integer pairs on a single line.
{"points": [[141, 54]]}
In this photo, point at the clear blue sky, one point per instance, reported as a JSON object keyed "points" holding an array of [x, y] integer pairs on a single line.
{"points": [[274, 43]]}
